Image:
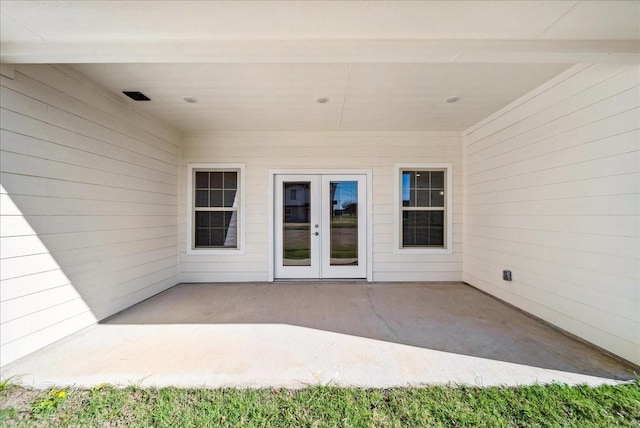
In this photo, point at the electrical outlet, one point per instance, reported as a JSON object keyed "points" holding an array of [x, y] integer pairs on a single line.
{"points": [[506, 275]]}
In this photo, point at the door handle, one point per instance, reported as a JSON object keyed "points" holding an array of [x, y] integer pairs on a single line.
{"points": [[316, 233]]}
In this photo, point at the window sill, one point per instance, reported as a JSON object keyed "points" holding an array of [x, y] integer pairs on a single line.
{"points": [[423, 251], [215, 251]]}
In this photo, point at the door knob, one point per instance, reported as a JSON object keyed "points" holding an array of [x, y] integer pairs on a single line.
{"points": [[316, 233]]}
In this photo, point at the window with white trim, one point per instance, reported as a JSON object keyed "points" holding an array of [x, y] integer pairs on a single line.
{"points": [[215, 205], [424, 217]]}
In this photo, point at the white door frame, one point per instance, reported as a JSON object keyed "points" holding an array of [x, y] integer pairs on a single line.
{"points": [[319, 171], [337, 271], [314, 269]]}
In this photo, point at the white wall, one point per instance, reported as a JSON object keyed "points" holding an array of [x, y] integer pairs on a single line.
{"points": [[376, 151], [90, 190], [551, 193], [88, 206]]}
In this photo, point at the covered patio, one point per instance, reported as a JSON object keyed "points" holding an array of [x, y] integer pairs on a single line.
{"points": [[155, 154], [293, 334]]}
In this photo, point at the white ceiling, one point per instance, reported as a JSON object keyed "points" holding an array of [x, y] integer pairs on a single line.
{"points": [[260, 65], [362, 97]]}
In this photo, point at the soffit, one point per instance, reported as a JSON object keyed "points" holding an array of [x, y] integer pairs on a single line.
{"points": [[373, 97], [89, 21]]}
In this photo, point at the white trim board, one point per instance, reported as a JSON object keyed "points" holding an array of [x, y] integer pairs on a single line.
{"points": [[241, 221], [448, 207]]}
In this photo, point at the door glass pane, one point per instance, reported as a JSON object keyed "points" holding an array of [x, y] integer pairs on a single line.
{"points": [[344, 223], [296, 224]]}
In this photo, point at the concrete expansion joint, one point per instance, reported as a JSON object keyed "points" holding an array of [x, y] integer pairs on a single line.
{"points": [[379, 316]]}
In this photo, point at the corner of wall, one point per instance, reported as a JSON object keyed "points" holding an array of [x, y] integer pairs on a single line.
{"points": [[551, 194], [89, 197]]}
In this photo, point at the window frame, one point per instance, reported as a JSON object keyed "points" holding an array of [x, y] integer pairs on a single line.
{"points": [[448, 208], [192, 168]]}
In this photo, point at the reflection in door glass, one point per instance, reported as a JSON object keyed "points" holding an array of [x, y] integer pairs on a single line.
{"points": [[296, 224], [344, 223]]}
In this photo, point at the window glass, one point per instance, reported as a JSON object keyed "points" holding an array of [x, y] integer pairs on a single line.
{"points": [[202, 180], [423, 228], [437, 179], [423, 208], [216, 209], [230, 180], [216, 180]]}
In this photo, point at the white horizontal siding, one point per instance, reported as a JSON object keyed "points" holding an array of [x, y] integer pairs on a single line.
{"points": [[552, 186], [378, 152], [88, 206]]}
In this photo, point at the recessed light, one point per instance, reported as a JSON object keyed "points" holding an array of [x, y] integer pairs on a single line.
{"points": [[452, 99], [190, 100], [322, 100]]}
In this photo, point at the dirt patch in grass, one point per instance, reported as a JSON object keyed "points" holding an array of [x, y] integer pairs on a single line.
{"points": [[15, 403]]}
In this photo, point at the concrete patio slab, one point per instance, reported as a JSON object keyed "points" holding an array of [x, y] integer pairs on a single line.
{"points": [[297, 334]]}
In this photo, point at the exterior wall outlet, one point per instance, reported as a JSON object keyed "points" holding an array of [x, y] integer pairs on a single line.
{"points": [[506, 275]]}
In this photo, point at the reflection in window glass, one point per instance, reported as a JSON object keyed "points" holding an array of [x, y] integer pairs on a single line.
{"points": [[215, 228], [423, 189], [423, 208], [296, 224], [216, 209], [343, 213], [423, 228]]}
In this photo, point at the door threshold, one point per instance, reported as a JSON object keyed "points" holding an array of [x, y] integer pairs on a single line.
{"points": [[318, 280]]}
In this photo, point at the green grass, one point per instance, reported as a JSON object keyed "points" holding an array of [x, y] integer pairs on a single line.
{"points": [[344, 222], [436, 406], [297, 226], [296, 253], [337, 252], [8, 383], [344, 252]]}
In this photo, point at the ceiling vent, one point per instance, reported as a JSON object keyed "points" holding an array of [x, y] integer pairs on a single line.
{"points": [[136, 96]]}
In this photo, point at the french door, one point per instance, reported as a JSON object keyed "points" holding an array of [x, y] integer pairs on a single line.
{"points": [[320, 226]]}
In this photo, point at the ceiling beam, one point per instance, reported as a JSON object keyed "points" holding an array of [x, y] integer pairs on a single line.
{"points": [[323, 51]]}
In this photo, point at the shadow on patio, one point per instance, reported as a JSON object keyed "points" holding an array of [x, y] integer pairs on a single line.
{"points": [[450, 317]]}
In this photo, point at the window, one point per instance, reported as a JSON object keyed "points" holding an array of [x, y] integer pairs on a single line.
{"points": [[424, 208], [215, 205], [294, 194]]}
